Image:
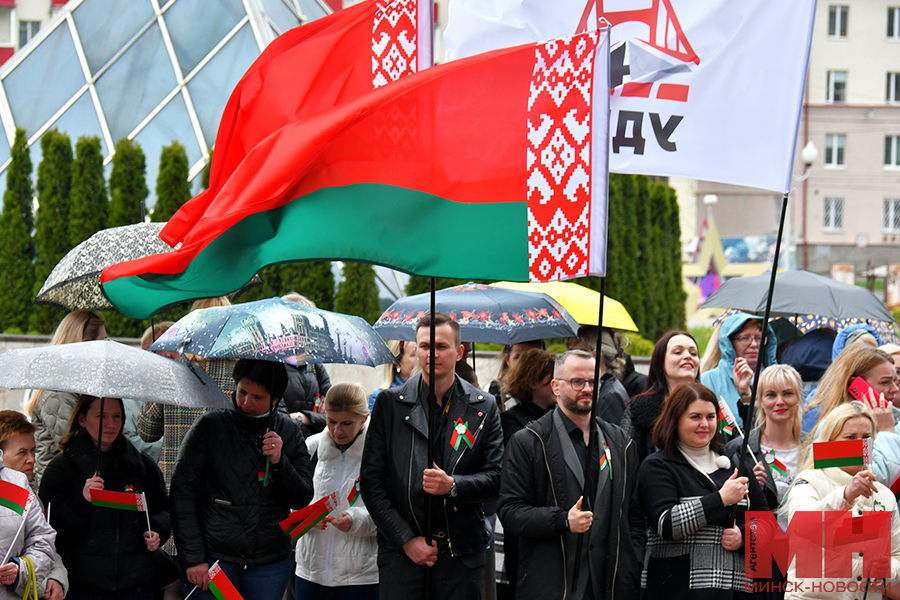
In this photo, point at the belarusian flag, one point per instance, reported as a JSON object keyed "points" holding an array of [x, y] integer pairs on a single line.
{"points": [[118, 500], [302, 521], [842, 453], [726, 418], [515, 137], [307, 70], [220, 585], [15, 498]]}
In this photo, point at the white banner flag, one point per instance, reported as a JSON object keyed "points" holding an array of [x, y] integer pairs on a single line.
{"points": [[704, 89]]}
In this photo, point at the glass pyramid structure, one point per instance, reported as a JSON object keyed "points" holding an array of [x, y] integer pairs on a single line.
{"points": [[155, 71]]}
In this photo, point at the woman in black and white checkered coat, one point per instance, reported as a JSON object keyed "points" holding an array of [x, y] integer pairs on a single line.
{"points": [[686, 490]]}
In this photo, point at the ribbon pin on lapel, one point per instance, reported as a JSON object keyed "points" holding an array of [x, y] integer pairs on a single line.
{"points": [[461, 433]]}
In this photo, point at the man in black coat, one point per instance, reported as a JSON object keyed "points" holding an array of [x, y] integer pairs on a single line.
{"points": [[396, 482], [541, 503]]}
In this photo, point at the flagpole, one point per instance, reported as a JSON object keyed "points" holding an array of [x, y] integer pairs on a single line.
{"points": [[588, 493], [15, 537], [146, 511], [431, 400], [764, 344], [99, 437]]}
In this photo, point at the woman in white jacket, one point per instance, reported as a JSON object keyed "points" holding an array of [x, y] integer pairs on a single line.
{"points": [[337, 559], [849, 488]]}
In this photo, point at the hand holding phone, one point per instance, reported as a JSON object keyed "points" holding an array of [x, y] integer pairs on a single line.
{"points": [[860, 390]]}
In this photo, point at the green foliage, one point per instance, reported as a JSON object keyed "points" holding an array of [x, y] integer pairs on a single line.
{"points": [[89, 204], [314, 280], [127, 185], [422, 285], [637, 345], [358, 293], [172, 187], [702, 335], [16, 246], [51, 238]]}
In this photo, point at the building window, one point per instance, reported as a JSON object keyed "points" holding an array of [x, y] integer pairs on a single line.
{"points": [[892, 150], [6, 30], [27, 30], [891, 220], [834, 149], [892, 90], [833, 214], [893, 23], [837, 86], [837, 21]]}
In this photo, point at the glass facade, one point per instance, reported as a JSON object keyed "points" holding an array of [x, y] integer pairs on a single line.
{"points": [[155, 71]]}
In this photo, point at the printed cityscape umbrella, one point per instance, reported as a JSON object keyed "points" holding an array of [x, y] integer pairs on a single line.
{"points": [[799, 293], [108, 369], [484, 313], [75, 280], [276, 330], [581, 302]]}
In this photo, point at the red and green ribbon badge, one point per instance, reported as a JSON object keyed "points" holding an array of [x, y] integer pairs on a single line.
{"points": [[461, 433], [606, 461], [354, 493], [879, 506], [776, 464]]}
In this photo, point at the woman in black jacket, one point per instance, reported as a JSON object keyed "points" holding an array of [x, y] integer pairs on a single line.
{"points": [[108, 552], [239, 473], [674, 361], [688, 493]]}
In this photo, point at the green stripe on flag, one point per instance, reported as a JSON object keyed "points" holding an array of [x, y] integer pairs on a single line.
{"points": [[401, 228], [215, 590], [12, 505], [848, 461], [115, 505]]}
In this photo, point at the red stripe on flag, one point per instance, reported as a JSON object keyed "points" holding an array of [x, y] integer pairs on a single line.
{"points": [[672, 91], [14, 493], [298, 516], [221, 586], [838, 449], [637, 90], [128, 498], [895, 487]]}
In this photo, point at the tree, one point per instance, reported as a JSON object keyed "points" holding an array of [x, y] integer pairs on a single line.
{"points": [[172, 186], [315, 280], [206, 169], [89, 206], [16, 246], [127, 184], [358, 293], [51, 238], [127, 191]]}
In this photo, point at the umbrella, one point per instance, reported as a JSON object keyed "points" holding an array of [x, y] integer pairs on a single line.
{"points": [[75, 280], [484, 313], [108, 369], [276, 330], [581, 302], [804, 324], [799, 292]]}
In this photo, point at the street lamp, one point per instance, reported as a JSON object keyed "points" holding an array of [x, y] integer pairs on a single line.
{"points": [[808, 155]]}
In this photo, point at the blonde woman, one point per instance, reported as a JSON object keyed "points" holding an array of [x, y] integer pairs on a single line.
{"points": [[893, 350], [394, 375], [338, 559], [851, 488], [49, 410]]}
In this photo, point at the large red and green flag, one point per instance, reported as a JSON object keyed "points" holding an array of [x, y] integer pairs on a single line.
{"points": [[842, 453], [118, 500], [220, 585], [516, 138], [15, 497], [307, 70]]}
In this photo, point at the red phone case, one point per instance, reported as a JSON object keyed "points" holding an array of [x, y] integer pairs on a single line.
{"points": [[859, 389]]}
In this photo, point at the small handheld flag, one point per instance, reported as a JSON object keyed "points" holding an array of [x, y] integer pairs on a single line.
{"points": [[220, 585], [727, 422], [15, 498], [118, 500], [842, 453], [300, 522]]}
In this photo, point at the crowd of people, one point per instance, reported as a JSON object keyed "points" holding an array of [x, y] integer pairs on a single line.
{"points": [[434, 487]]}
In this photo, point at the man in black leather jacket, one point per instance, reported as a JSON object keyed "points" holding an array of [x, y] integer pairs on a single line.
{"points": [[396, 482]]}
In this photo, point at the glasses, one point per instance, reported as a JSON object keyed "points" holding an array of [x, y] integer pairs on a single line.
{"points": [[578, 383], [748, 339]]}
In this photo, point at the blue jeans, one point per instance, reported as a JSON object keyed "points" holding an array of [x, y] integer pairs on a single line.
{"points": [[262, 582], [307, 590]]}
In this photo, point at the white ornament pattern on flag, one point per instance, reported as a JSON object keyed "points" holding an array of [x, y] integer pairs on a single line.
{"points": [[559, 158], [394, 41]]}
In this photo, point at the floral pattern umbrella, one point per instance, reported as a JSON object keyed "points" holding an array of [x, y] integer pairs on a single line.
{"points": [[485, 314], [276, 330]]}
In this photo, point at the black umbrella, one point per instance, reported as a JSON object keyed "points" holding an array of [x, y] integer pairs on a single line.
{"points": [[799, 292], [485, 314]]}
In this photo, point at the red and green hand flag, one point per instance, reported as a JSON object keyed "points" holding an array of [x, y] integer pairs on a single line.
{"points": [[842, 453], [119, 500], [15, 497], [220, 586]]}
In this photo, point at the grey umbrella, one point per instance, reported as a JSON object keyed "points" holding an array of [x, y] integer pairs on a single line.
{"points": [[799, 292], [108, 369]]}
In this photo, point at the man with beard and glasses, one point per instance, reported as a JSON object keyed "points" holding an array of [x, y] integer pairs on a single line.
{"points": [[541, 502]]}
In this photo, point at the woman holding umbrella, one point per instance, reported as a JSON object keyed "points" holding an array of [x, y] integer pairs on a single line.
{"points": [[108, 552], [238, 474], [50, 411]]}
